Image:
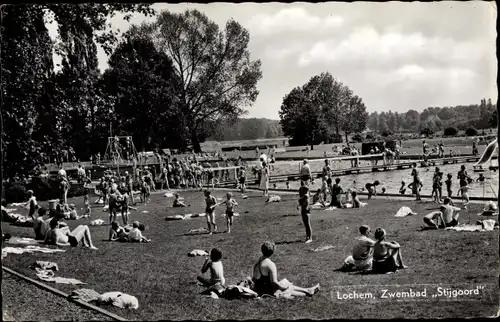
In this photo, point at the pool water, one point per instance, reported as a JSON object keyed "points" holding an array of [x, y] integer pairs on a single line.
{"points": [[391, 180]]}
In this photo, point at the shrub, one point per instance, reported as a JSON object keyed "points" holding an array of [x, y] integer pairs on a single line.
{"points": [[450, 131], [426, 131], [369, 137], [357, 138], [386, 133], [471, 131]]}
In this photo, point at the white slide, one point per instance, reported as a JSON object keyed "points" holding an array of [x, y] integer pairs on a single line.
{"points": [[488, 153]]}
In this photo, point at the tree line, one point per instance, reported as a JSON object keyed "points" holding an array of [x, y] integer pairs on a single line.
{"points": [[435, 119], [168, 84]]}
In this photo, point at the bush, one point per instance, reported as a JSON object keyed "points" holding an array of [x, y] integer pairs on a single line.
{"points": [[369, 137], [426, 131], [450, 131], [471, 131], [357, 138], [386, 133]]}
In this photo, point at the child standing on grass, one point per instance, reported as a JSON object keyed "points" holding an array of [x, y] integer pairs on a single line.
{"points": [[86, 206], [448, 183], [211, 203], [372, 188], [304, 210], [242, 179], [214, 264], [230, 205], [356, 203]]}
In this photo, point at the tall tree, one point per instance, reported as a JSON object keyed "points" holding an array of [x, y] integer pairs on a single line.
{"points": [[373, 121], [26, 56], [319, 110], [218, 77], [355, 116], [145, 87]]}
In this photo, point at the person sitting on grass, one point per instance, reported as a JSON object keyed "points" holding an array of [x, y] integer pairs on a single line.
{"points": [[117, 233], [386, 255], [64, 237], [41, 226], [177, 202], [135, 234], [372, 188], [73, 215], [214, 264], [362, 252], [318, 198], [434, 220], [337, 192], [444, 217], [265, 277]]}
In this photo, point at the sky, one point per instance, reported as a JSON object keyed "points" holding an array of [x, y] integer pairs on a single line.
{"points": [[395, 55]]}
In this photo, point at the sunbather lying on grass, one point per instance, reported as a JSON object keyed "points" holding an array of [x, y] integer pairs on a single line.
{"points": [[64, 237], [265, 276]]}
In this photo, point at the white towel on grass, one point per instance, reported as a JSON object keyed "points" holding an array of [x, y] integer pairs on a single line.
{"points": [[97, 222], [119, 299], [404, 211], [198, 252]]}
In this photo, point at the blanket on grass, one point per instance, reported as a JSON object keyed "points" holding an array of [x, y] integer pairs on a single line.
{"points": [[481, 225], [23, 241], [405, 211], [28, 249], [48, 276]]}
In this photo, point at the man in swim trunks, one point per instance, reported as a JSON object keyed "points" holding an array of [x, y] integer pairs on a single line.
{"points": [[211, 203], [362, 252], [444, 217], [305, 173]]}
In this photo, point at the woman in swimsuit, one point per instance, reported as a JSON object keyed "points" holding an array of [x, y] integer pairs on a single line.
{"points": [[265, 276], [386, 255], [65, 237], [117, 233]]}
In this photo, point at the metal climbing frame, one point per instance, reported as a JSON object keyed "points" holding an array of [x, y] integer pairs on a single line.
{"points": [[120, 150]]}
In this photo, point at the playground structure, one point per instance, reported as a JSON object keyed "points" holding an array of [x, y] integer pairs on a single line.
{"points": [[486, 157], [120, 150]]}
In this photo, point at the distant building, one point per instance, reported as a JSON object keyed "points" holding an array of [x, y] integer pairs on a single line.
{"points": [[215, 146]]}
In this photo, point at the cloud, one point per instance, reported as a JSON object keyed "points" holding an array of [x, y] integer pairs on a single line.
{"points": [[294, 19], [368, 47]]}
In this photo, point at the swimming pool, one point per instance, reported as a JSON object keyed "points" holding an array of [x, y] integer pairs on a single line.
{"points": [[391, 180]]}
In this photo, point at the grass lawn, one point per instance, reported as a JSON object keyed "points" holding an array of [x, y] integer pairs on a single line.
{"points": [[163, 277], [25, 302]]}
